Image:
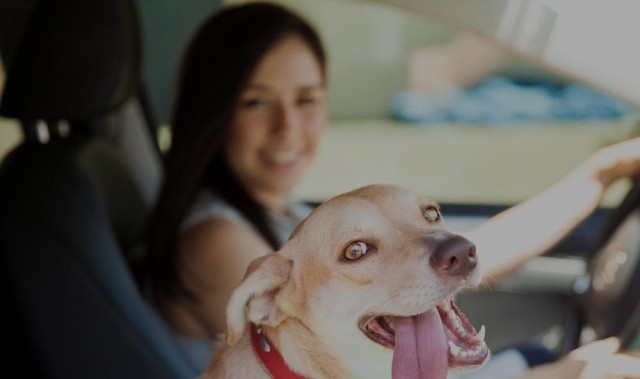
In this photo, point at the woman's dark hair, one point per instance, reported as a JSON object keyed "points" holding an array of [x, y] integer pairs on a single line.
{"points": [[217, 65]]}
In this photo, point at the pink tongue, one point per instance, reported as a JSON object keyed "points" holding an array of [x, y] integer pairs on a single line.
{"points": [[421, 350]]}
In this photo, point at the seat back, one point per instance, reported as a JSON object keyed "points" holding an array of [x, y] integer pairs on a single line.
{"points": [[74, 308]]}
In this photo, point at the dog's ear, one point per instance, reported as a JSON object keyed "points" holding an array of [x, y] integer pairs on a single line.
{"points": [[254, 299]]}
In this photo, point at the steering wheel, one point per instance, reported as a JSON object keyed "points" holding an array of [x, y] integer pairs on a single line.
{"points": [[611, 305]]}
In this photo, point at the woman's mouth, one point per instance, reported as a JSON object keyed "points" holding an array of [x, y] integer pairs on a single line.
{"points": [[282, 157]]}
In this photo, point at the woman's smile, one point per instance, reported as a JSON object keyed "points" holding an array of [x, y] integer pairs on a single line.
{"points": [[282, 158]]}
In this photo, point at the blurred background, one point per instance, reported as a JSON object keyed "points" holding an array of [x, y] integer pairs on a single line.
{"points": [[417, 102]]}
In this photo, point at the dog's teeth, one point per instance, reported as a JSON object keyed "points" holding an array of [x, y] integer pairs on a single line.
{"points": [[455, 349], [455, 319], [481, 333]]}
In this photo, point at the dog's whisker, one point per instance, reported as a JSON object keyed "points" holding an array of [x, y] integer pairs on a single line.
{"points": [[486, 283]]}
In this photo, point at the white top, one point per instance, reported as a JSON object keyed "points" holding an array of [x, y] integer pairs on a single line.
{"points": [[209, 206]]}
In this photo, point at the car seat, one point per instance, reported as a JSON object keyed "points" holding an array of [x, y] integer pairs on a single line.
{"points": [[72, 209]]}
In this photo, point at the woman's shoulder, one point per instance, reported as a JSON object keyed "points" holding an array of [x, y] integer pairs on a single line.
{"points": [[221, 244], [209, 206], [221, 234], [213, 224]]}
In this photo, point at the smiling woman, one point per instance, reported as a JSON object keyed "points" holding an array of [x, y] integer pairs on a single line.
{"points": [[284, 97], [243, 135]]}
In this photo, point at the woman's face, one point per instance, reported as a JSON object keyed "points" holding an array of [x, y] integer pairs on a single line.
{"points": [[278, 122]]}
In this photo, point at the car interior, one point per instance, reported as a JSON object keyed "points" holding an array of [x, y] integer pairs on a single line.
{"points": [[73, 209], [87, 91]]}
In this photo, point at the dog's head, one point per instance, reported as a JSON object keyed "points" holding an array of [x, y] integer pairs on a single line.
{"points": [[370, 275]]}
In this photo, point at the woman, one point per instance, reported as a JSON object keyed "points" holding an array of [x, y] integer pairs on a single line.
{"points": [[249, 116]]}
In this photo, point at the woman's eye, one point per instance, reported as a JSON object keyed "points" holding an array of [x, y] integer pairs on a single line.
{"points": [[254, 103], [307, 100], [432, 214], [355, 250]]}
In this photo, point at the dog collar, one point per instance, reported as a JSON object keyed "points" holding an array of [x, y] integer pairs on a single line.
{"points": [[271, 359]]}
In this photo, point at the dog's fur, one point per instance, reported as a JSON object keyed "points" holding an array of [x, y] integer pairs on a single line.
{"points": [[309, 299]]}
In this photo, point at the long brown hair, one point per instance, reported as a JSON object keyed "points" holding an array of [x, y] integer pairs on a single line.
{"points": [[217, 65]]}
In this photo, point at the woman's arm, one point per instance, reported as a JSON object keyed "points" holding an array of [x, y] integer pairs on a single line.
{"points": [[213, 258], [510, 238]]}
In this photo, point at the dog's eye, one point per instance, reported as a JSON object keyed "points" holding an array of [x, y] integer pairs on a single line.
{"points": [[432, 214], [355, 250]]}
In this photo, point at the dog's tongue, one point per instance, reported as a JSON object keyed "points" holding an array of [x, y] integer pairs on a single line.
{"points": [[421, 350]]}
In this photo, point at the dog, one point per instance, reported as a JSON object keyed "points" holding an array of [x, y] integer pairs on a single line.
{"points": [[362, 289]]}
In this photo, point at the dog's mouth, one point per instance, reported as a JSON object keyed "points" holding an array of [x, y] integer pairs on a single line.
{"points": [[464, 346]]}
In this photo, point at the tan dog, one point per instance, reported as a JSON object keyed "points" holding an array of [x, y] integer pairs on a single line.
{"points": [[362, 289]]}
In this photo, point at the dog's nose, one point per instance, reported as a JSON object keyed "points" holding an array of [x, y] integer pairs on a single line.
{"points": [[455, 256]]}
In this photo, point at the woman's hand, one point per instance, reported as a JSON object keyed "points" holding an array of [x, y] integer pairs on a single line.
{"points": [[597, 360], [614, 162]]}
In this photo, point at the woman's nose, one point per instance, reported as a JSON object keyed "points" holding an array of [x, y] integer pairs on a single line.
{"points": [[288, 123]]}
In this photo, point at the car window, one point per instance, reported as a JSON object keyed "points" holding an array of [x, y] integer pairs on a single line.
{"points": [[166, 28]]}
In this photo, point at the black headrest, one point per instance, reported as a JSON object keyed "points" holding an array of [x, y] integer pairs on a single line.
{"points": [[76, 59]]}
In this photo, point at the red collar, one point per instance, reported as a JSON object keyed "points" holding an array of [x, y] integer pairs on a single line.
{"points": [[271, 359]]}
